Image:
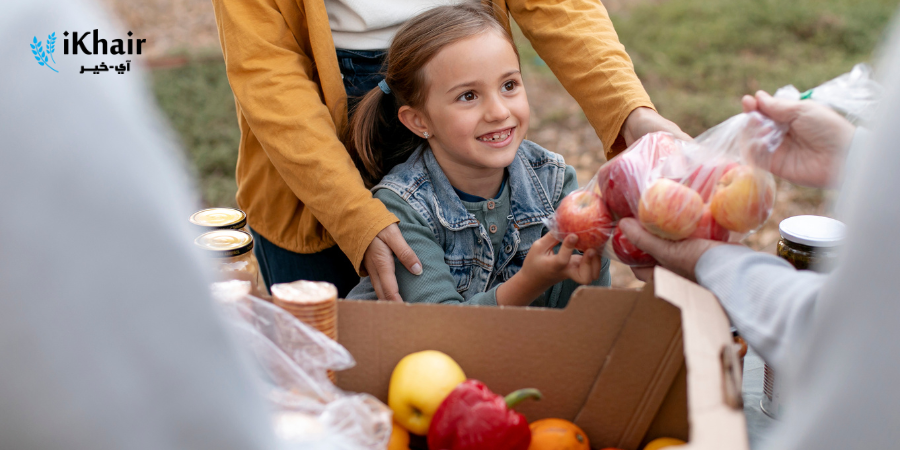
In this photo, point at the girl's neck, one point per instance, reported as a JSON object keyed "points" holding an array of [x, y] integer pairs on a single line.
{"points": [[481, 182]]}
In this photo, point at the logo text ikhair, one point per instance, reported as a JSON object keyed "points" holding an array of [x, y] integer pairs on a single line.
{"points": [[101, 46]]}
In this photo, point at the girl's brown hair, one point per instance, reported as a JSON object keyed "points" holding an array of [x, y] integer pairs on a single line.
{"points": [[377, 138]]}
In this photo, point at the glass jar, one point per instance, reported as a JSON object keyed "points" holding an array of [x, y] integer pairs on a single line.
{"points": [[810, 242], [220, 219], [231, 254], [807, 243]]}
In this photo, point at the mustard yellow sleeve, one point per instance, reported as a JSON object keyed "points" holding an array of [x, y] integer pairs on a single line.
{"points": [[271, 73], [577, 40]]}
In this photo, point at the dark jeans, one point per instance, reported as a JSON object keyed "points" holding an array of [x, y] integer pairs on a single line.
{"points": [[278, 265], [361, 71]]}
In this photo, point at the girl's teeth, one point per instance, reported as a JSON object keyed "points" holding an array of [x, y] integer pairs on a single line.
{"points": [[496, 136]]}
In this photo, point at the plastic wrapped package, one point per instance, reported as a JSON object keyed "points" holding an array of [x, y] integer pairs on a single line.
{"points": [[292, 360], [718, 186]]}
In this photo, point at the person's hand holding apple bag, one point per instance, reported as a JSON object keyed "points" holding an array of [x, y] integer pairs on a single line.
{"points": [[811, 154]]}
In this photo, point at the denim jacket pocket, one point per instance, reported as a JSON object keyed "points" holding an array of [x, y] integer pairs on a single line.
{"points": [[461, 270]]}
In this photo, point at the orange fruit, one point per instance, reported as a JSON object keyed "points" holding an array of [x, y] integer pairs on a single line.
{"points": [[399, 438], [663, 442], [557, 434]]}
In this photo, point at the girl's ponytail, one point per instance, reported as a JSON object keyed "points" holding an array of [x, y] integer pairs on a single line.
{"points": [[378, 140]]}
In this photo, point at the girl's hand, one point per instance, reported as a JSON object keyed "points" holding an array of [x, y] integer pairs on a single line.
{"points": [[551, 268], [543, 268]]}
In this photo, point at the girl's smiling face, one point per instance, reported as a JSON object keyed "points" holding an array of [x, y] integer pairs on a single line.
{"points": [[476, 111]]}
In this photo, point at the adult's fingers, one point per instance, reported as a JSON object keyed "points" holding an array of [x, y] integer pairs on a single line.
{"points": [[749, 104], [376, 280], [643, 239], [394, 239], [388, 280], [642, 273], [778, 109]]}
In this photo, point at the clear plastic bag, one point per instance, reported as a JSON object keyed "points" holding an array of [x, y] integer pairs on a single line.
{"points": [[293, 360], [718, 186]]}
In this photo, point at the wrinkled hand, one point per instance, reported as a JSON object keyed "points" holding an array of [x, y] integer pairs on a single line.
{"points": [[642, 121], [678, 256], [815, 145], [549, 268], [379, 262]]}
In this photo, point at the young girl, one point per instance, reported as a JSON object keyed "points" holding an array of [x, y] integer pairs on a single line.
{"points": [[447, 126]]}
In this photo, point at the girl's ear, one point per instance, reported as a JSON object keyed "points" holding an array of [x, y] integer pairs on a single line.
{"points": [[413, 119]]}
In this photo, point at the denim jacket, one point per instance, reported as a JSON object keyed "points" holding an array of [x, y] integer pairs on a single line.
{"points": [[536, 179]]}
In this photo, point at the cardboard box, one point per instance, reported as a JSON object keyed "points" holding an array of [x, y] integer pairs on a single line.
{"points": [[625, 365]]}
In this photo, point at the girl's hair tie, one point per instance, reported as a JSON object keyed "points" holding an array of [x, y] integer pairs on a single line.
{"points": [[384, 86]]}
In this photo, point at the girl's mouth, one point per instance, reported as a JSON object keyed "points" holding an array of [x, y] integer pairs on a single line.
{"points": [[497, 138]]}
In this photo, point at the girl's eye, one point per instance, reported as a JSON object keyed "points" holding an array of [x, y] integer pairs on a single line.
{"points": [[510, 85], [467, 96]]}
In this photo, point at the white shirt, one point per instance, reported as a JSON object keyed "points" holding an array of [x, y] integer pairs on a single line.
{"points": [[371, 25]]}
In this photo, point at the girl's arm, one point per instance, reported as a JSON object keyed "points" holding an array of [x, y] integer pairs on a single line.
{"points": [[436, 284]]}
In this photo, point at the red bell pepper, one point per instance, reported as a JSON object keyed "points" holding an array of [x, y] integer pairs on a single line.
{"points": [[474, 418]]}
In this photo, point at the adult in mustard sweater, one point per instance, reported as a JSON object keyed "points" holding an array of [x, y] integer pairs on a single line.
{"points": [[298, 184]]}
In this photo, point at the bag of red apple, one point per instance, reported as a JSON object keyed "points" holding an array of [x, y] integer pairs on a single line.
{"points": [[716, 187], [591, 212]]}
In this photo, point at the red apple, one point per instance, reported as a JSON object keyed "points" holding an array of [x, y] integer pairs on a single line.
{"points": [[583, 213], [623, 177], [708, 228], [670, 210], [618, 180], [628, 253], [743, 198]]}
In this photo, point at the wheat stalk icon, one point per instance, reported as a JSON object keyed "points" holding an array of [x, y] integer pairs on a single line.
{"points": [[37, 48], [51, 45]]}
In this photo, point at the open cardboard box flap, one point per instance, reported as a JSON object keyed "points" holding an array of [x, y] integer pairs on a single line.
{"points": [[620, 363]]}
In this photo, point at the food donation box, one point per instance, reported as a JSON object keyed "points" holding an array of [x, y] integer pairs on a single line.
{"points": [[627, 366]]}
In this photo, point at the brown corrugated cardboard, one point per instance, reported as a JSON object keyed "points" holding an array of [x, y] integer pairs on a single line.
{"points": [[613, 361]]}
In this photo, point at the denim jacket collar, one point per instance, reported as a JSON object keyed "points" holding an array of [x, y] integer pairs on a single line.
{"points": [[529, 204]]}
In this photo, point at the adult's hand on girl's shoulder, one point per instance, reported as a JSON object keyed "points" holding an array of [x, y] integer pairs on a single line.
{"points": [[643, 121], [378, 261]]}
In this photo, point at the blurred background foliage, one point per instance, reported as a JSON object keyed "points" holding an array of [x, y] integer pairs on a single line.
{"points": [[695, 57]]}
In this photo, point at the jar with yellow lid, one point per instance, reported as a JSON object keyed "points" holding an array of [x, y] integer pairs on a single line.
{"points": [[220, 219], [231, 253]]}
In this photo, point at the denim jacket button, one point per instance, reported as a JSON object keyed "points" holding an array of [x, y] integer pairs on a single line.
{"points": [[508, 248], [490, 204], [493, 228]]}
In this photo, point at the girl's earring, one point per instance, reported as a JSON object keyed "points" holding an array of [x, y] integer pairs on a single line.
{"points": [[425, 134]]}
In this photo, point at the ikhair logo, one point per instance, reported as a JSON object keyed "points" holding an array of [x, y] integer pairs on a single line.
{"points": [[40, 55], [43, 54]]}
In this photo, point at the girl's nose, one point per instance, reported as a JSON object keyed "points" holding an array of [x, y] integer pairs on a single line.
{"points": [[496, 110]]}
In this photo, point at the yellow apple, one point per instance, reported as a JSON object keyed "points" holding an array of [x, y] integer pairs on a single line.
{"points": [[743, 199], [419, 383], [670, 210]]}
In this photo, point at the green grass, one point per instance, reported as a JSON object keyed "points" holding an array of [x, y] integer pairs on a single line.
{"points": [[200, 106], [698, 57], [695, 57]]}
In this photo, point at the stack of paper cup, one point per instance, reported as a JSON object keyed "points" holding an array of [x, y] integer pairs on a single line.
{"points": [[313, 302]]}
